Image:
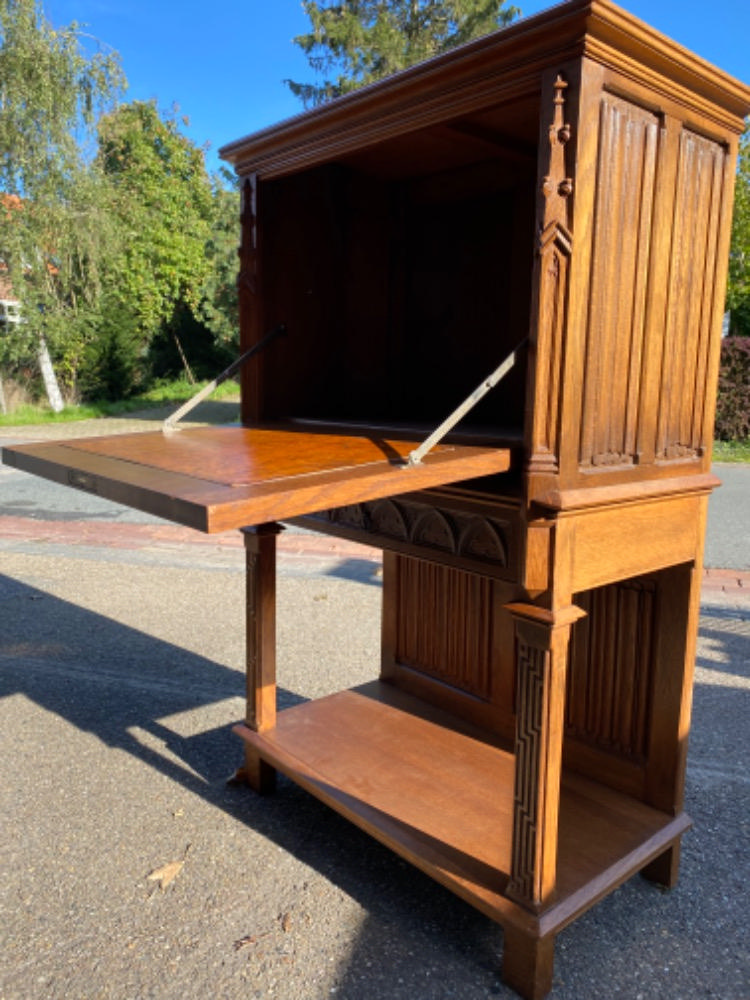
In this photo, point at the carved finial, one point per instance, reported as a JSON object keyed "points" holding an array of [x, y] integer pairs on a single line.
{"points": [[556, 182]]}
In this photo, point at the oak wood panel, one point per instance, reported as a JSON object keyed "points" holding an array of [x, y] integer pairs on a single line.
{"points": [[628, 140], [600, 543], [448, 639], [215, 479], [673, 682], [611, 668], [431, 599]]}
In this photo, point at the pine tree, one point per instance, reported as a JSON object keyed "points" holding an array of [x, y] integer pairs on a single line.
{"points": [[356, 42]]}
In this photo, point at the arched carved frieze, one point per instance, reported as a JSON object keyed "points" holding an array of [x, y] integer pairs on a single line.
{"points": [[434, 529], [481, 539], [353, 516], [467, 536], [387, 519]]}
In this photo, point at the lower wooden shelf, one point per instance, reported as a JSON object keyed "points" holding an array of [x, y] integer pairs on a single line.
{"points": [[439, 792]]}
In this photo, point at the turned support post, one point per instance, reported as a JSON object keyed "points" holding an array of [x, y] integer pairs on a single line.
{"points": [[260, 639]]}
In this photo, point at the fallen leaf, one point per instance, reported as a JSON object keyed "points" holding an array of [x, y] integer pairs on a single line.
{"points": [[166, 874], [249, 939]]}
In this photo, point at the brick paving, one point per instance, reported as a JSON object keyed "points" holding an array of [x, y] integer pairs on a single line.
{"points": [[717, 583], [729, 582]]}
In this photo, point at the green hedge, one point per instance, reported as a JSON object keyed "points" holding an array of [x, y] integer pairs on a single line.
{"points": [[733, 404]]}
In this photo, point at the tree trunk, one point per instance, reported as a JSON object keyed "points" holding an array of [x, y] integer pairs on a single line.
{"points": [[50, 379]]}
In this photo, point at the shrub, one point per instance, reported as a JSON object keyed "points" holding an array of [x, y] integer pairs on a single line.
{"points": [[112, 364], [733, 405]]}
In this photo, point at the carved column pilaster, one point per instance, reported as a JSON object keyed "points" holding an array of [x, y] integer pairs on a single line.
{"points": [[554, 245], [248, 292], [541, 662]]}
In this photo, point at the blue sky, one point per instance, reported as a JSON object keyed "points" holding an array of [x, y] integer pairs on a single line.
{"points": [[225, 65]]}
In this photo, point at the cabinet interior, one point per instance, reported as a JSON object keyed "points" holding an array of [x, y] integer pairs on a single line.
{"points": [[403, 275]]}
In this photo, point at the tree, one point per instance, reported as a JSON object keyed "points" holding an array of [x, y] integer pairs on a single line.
{"points": [[162, 197], [355, 42], [738, 290], [219, 305], [55, 230]]}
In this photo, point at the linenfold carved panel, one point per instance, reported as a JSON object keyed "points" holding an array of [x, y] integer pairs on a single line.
{"points": [[637, 340], [611, 668], [465, 535], [681, 430], [621, 257], [433, 600]]}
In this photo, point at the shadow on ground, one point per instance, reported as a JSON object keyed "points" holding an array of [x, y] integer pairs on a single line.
{"points": [[410, 939]]}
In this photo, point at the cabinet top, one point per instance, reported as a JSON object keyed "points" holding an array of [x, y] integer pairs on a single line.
{"points": [[501, 66]]}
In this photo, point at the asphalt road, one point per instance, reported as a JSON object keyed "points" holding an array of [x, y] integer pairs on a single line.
{"points": [[130, 869], [728, 532]]}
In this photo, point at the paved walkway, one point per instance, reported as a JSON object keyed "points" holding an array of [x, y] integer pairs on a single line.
{"points": [[718, 584]]}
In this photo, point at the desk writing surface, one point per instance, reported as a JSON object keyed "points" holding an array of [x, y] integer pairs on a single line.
{"points": [[219, 478]]}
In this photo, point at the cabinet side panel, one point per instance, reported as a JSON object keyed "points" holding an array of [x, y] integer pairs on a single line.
{"points": [[620, 263]]}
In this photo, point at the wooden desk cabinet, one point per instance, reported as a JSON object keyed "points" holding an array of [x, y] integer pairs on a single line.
{"points": [[566, 183]]}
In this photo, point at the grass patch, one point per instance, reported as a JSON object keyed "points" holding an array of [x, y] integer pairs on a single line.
{"points": [[731, 451], [172, 394], [166, 394]]}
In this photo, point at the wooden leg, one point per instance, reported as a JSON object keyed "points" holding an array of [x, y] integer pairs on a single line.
{"points": [[542, 652], [676, 637], [664, 869], [256, 773], [260, 545], [528, 963]]}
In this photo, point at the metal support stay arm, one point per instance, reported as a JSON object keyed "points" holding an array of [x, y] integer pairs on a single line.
{"points": [[416, 456], [171, 421]]}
